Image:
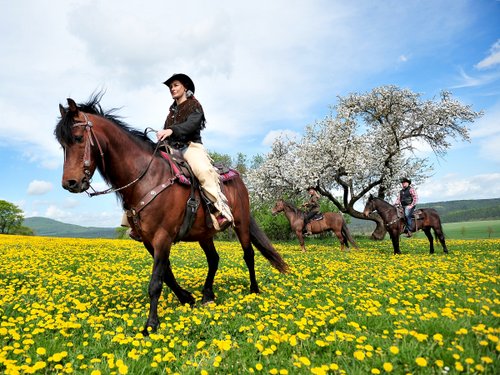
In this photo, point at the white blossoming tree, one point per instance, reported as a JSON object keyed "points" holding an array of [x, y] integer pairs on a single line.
{"points": [[366, 144]]}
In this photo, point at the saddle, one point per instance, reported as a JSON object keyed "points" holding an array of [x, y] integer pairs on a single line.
{"points": [[418, 215], [318, 216], [184, 175]]}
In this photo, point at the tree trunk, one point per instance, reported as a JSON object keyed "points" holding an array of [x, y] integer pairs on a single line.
{"points": [[380, 231]]}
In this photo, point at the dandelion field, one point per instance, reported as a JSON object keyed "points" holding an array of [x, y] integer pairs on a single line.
{"points": [[78, 306]]}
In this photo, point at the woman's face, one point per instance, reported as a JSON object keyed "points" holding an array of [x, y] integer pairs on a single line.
{"points": [[178, 91]]}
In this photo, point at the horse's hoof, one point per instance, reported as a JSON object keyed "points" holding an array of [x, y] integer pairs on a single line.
{"points": [[206, 303], [255, 290], [148, 329]]}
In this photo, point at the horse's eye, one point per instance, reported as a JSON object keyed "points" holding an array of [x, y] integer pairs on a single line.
{"points": [[78, 138]]}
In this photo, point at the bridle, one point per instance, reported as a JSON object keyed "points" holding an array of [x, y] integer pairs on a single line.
{"points": [[89, 143], [391, 207], [88, 129]]}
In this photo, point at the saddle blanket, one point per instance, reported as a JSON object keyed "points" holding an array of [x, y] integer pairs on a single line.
{"points": [[182, 174]]}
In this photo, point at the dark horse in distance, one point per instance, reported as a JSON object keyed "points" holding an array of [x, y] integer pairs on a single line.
{"points": [[150, 191], [331, 221], [394, 221]]}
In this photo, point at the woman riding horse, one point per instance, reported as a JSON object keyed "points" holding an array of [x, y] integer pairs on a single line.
{"points": [[151, 191]]}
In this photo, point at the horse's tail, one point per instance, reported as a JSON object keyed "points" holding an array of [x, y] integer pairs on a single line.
{"points": [[261, 242], [347, 235]]}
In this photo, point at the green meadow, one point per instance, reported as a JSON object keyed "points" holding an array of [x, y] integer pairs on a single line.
{"points": [[78, 306], [473, 229]]}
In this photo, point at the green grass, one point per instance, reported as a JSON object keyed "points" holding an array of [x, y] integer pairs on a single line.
{"points": [[78, 306], [473, 229]]}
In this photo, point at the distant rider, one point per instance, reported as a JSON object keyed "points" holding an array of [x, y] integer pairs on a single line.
{"points": [[407, 198], [312, 208]]}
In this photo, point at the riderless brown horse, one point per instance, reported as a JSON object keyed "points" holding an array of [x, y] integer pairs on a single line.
{"points": [[331, 221], [425, 219], [152, 196]]}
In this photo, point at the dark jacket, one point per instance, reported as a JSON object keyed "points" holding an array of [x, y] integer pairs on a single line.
{"points": [[312, 205], [186, 121]]}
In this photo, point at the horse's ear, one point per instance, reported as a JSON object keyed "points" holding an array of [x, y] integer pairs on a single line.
{"points": [[62, 110], [72, 105]]}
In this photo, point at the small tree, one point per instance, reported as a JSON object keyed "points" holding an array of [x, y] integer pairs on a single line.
{"points": [[365, 145], [11, 217]]}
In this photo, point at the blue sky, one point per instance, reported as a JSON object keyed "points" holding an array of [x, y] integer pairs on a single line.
{"points": [[260, 68]]}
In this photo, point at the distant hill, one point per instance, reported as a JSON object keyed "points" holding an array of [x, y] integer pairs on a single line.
{"points": [[43, 226], [450, 212], [467, 210]]}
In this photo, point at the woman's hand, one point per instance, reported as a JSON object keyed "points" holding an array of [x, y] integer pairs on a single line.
{"points": [[162, 134]]}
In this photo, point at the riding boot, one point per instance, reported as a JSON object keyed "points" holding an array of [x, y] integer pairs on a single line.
{"points": [[306, 231]]}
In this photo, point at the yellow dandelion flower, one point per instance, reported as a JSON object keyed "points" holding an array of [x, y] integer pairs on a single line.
{"points": [[479, 368], [422, 362], [305, 361], [394, 349], [387, 366], [439, 363], [459, 367], [486, 360], [359, 355], [259, 367], [318, 371], [200, 345], [41, 351], [375, 371]]}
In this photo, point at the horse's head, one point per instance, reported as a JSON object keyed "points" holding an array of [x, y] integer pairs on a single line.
{"points": [[278, 207], [369, 206], [74, 133]]}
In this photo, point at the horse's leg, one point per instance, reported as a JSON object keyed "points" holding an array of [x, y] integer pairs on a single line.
{"points": [[154, 291], [340, 237], [440, 235], [162, 273], [427, 231], [213, 264], [395, 241], [300, 236], [248, 255]]}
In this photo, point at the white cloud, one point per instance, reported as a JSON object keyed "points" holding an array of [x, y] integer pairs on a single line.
{"points": [[486, 133], [492, 59], [56, 213], [281, 133], [37, 187], [454, 187]]}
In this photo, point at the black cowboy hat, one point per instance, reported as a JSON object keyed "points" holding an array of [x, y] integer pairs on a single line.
{"points": [[404, 179], [182, 78]]}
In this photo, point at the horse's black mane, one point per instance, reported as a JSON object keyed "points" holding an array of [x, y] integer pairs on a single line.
{"points": [[63, 130]]}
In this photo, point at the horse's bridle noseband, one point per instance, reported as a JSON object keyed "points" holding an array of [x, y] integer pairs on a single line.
{"points": [[88, 128]]}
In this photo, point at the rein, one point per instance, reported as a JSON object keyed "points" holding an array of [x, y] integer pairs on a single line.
{"points": [[86, 159], [388, 209]]}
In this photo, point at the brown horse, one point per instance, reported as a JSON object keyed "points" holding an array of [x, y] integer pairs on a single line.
{"points": [[425, 219], [149, 190], [331, 221]]}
